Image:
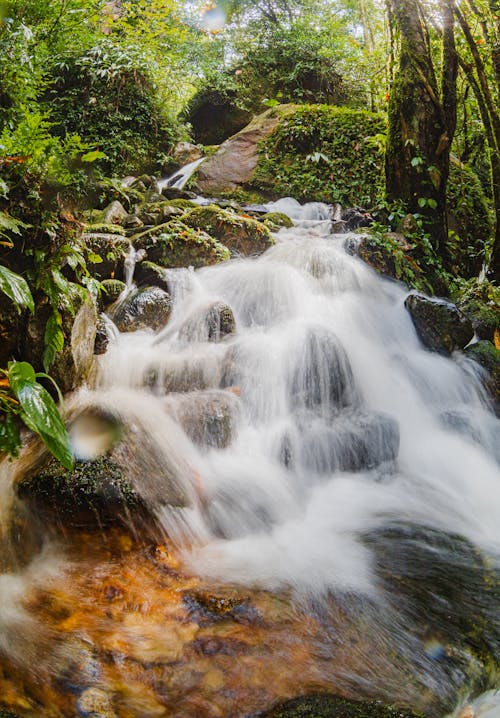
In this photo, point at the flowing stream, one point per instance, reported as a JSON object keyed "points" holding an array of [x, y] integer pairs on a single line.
{"points": [[360, 479]]}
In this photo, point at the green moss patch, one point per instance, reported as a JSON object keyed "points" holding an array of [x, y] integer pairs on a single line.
{"points": [[241, 235], [327, 706], [175, 244]]}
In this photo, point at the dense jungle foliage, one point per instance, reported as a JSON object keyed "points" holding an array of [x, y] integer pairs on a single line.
{"points": [[93, 90]]}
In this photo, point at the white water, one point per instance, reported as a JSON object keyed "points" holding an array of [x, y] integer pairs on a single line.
{"points": [[324, 355], [179, 179], [301, 526]]}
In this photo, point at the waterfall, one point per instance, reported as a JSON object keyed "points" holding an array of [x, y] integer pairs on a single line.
{"points": [[357, 464], [180, 178]]}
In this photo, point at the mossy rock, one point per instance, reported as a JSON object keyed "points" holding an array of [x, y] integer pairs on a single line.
{"points": [[176, 244], [103, 228], [441, 326], [105, 253], [156, 213], [277, 219], [488, 356], [149, 274], [243, 236], [93, 493], [143, 308], [111, 290], [389, 254], [481, 303], [8, 714], [182, 203], [328, 706]]}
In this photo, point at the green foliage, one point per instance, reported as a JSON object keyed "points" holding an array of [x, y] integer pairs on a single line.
{"points": [[353, 174], [16, 288], [22, 396]]}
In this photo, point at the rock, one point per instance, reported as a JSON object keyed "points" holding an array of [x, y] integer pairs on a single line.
{"points": [[339, 227], [321, 377], [95, 703], [389, 255], [158, 213], [114, 213], [144, 308], [183, 374], [102, 337], [176, 245], [356, 217], [359, 442], [241, 235], [235, 161], [439, 584], [73, 364], [441, 326], [275, 220], [481, 303], [209, 324], [185, 152], [207, 417], [175, 193], [95, 492], [488, 356], [11, 323], [110, 248], [133, 222], [111, 290], [407, 225], [329, 706], [122, 474], [152, 275]]}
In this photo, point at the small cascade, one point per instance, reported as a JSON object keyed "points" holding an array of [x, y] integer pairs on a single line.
{"points": [[294, 443], [179, 179]]}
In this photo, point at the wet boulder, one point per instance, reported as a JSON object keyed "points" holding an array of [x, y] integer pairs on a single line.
{"points": [[174, 244], [487, 356], [185, 152], [210, 323], [481, 303], [184, 373], [276, 220], [111, 290], [94, 492], [441, 326], [143, 308], [124, 471], [323, 705], [242, 235], [208, 417], [114, 213], [321, 377], [102, 337], [152, 275], [389, 254], [106, 253], [359, 442]]}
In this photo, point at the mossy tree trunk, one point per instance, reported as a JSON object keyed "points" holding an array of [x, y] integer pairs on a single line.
{"points": [[422, 119]]}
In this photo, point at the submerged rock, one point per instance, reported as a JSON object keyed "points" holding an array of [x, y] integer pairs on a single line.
{"points": [[321, 377], [243, 236], [360, 442], [176, 245], [207, 417], [329, 706], [276, 220], [440, 325], [209, 324], [144, 308]]}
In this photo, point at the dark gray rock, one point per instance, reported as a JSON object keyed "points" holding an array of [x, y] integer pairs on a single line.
{"points": [[209, 324], [149, 274], [440, 325], [207, 417], [144, 308]]}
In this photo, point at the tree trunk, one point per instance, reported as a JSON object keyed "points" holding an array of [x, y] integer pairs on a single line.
{"points": [[421, 121]]}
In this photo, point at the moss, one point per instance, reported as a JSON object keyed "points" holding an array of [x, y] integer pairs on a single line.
{"points": [[488, 356], [481, 302], [105, 253], [328, 706], [112, 288], [241, 235], [103, 228], [323, 153], [182, 203], [175, 244], [277, 219], [94, 492], [242, 196]]}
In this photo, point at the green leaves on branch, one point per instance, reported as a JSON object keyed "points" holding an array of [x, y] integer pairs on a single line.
{"points": [[32, 403], [16, 288]]}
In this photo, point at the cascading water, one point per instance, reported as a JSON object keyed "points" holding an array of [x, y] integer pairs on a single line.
{"points": [[361, 471]]}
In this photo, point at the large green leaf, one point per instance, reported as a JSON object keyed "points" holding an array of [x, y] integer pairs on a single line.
{"points": [[39, 411], [54, 339], [16, 288]]}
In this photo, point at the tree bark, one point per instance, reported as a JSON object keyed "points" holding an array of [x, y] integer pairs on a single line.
{"points": [[422, 119]]}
